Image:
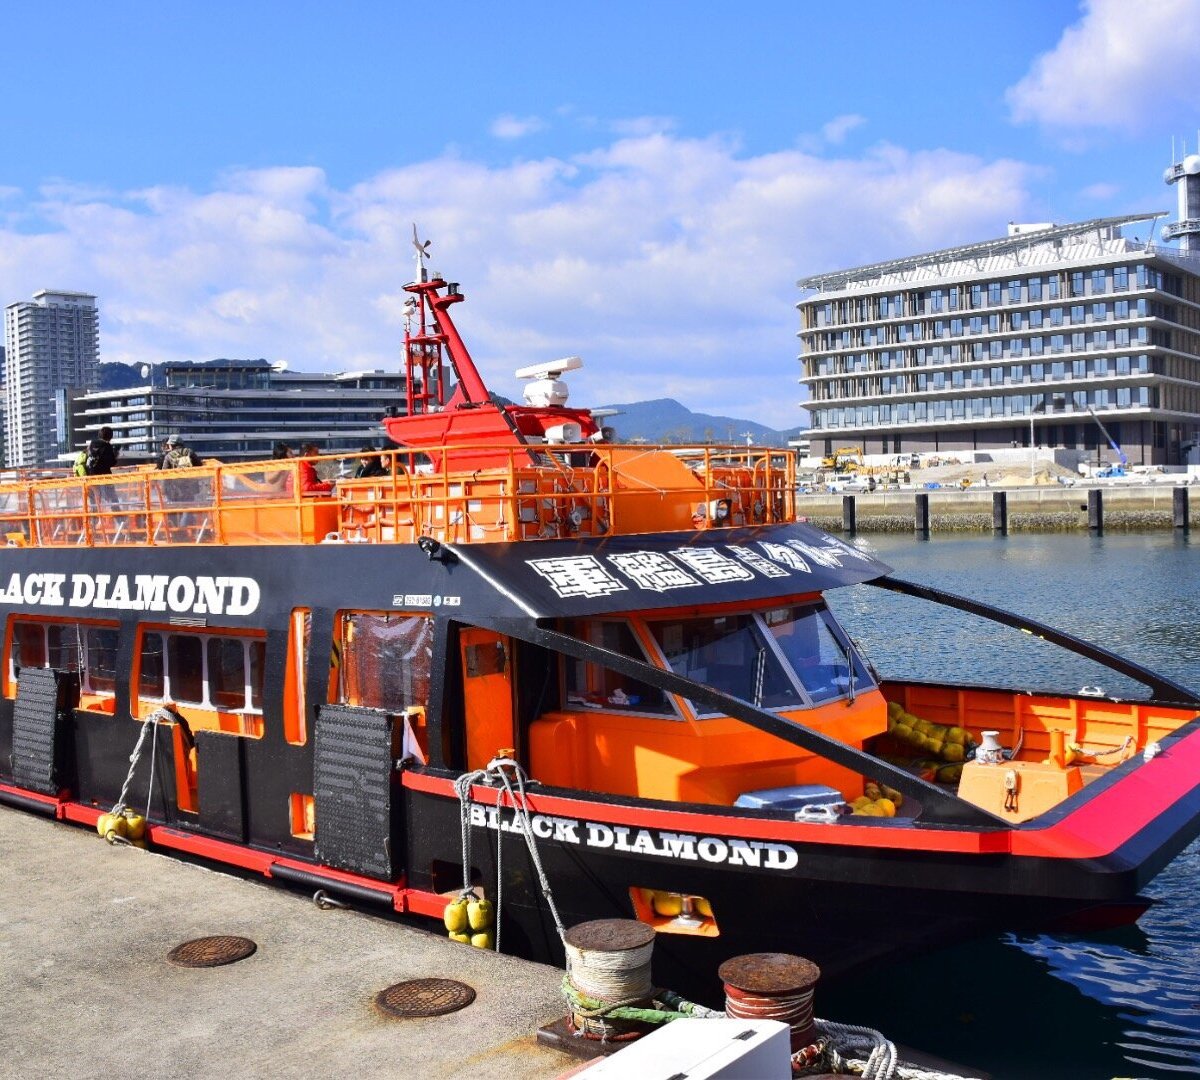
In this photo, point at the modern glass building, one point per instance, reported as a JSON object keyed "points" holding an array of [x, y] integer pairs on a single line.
{"points": [[236, 410], [962, 349]]}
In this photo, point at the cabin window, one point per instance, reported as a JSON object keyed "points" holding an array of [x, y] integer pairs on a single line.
{"points": [[783, 658], [594, 686], [223, 672], [728, 653], [87, 648], [820, 656], [385, 660], [295, 697]]}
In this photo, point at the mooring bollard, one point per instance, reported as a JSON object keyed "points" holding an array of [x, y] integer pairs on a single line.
{"points": [[849, 518], [609, 965], [772, 986], [1179, 508], [921, 518], [1095, 512], [1000, 512]]}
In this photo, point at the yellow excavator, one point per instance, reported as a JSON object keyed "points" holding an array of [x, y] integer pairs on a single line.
{"points": [[846, 459]]}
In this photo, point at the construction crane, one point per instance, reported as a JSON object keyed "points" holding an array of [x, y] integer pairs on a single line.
{"points": [[1119, 468]]}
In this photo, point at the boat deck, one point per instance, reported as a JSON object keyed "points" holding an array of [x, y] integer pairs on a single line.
{"points": [[453, 495], [86, 989]]}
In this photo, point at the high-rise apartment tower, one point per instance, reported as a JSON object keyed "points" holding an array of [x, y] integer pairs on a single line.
{"points": [[52, 345]]}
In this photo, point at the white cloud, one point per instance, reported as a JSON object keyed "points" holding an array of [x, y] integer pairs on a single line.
{"points": [[515, 127], [635, 126], [1123, 66], [836, 130], [1100, 191], [669, 263]]}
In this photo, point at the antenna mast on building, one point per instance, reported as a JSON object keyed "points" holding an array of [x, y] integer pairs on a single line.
{"points": [[1185, 173]]}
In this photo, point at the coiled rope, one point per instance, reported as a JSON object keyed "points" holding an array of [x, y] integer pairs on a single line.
{"points": [[795, 1010], [609, 976], [849, 1049]]}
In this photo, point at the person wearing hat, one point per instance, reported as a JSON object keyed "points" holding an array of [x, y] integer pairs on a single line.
{"points": [[180, 523], [177, 456]]}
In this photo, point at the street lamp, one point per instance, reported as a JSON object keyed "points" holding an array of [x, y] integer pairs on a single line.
{"points": [[1040, 407]]}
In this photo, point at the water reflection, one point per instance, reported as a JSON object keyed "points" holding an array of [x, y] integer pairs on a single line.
{"points": [[1123, 1003]]}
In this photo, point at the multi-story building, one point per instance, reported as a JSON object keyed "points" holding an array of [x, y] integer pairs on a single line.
{"points": [[52, 345], [235, 410], [1008, 342]]}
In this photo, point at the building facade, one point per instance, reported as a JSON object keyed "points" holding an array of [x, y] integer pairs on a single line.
{"points": [[1021, 340], [52, 347], [236, 410]]}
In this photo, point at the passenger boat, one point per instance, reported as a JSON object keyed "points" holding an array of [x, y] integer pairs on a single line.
{"points": [[631, 643]]}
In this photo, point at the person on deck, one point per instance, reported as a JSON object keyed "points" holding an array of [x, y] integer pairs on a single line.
{"points": [[178, 456], [370, 466], [310, 482], [101, 454]]}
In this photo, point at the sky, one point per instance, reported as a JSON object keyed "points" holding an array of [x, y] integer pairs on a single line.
{"points": [[638, 184]]}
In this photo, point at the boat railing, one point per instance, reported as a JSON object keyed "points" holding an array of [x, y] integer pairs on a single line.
{"points": [[510, 493]]}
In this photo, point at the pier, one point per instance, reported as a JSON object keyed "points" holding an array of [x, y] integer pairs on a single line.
{"points": [[86, 988]]}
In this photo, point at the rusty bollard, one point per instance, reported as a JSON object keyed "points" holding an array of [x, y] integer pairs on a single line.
{"points": [[773, 986]]}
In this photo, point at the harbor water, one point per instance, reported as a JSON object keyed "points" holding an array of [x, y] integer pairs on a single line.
{"points": [[1123, 1003]]}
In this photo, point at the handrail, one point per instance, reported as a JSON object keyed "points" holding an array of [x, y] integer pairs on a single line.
{"points": [[461, 493]]}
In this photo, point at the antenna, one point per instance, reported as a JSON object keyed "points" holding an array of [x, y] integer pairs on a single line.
{"points": [[422, 253]]}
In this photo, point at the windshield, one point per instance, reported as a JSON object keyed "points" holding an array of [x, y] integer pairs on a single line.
{"points": [[728, 653], [820, 658], [783, 658]]}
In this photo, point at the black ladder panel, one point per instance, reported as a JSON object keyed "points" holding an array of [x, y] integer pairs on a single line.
{"points": [[41, 729], [352, 789]]}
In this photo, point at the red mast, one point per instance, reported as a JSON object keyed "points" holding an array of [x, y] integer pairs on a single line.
{"points": [[468, 417]]}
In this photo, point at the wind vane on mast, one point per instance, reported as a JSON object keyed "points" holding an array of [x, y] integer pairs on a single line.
{"points": [[422, 253]]}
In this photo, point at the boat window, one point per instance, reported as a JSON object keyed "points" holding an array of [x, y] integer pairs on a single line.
{"points": [[223, 672], [28, 646], [89, 649], [151, 676], [385, 660], [101, 646], [728, 653], [258, 660], [185, 668], [817, 653], [295, 696], [594, 686], [226, 673]]}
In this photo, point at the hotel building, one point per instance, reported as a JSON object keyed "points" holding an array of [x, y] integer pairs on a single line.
{"points": [[961, 349]]}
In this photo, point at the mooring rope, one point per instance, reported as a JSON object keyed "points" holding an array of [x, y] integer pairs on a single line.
{"points": [[498, 770], [154, 718]]}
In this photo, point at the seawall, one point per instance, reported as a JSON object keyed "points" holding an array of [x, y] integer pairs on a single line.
{"points": [[1131, 508]]}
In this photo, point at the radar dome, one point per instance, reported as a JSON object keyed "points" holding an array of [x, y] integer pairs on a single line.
{"points": [[1191, 164]]}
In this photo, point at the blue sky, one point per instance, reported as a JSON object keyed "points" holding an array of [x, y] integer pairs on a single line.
{"points": [[637, 183]]}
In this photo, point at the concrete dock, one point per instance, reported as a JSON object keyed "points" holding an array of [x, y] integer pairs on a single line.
{"points": [[86, 989]]}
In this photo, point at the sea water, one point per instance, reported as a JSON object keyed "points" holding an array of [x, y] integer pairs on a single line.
{"points": [[1123, 1003]]}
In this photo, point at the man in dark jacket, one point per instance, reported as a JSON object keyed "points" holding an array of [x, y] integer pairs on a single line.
{"points": [[101, 454]]}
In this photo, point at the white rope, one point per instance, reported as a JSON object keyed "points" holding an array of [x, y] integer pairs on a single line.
{"points": [[621, 975]]}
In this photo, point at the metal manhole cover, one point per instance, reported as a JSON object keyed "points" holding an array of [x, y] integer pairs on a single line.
{"points": [[212, 951], [425, 997]]}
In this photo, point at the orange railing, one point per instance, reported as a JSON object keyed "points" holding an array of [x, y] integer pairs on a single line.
{"points": [[525, 494]]}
